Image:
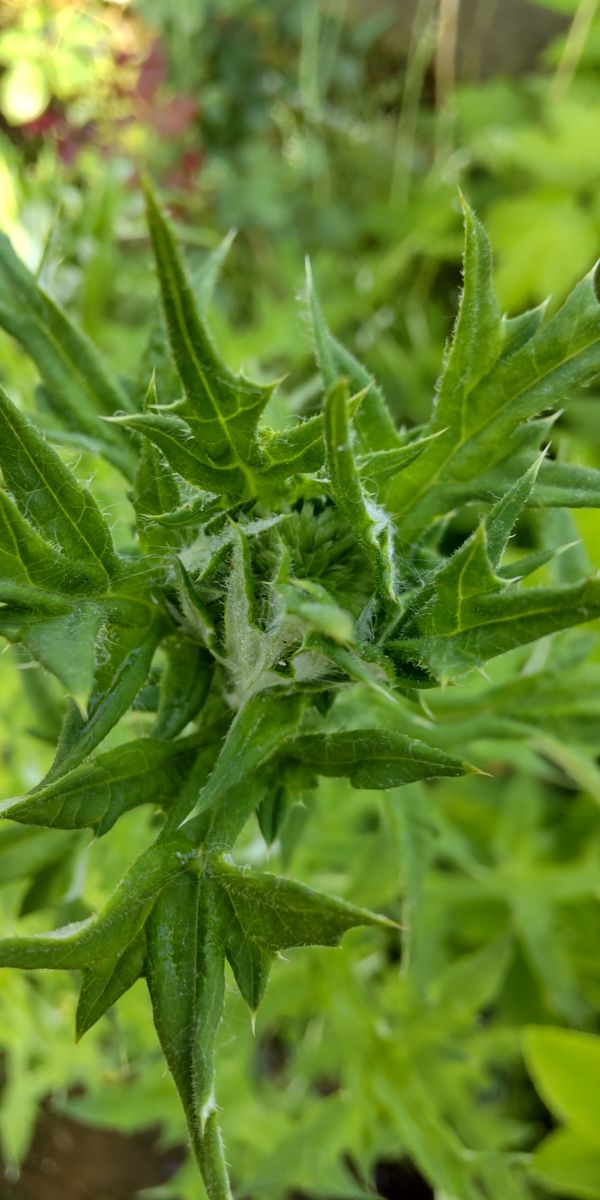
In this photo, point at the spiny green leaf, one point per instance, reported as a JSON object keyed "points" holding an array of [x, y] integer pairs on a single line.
{"points": [[194, 513], [382, 465], [562, 484], [260, 728], [374, 423], [502, 518], [466, 574], [518, 330], [173, 979], [30, 568], [156, 356], [105, 982], [185, 969], [477, 337], [496, 622], [449, 610], [370, 525], [95, 795], [561, 356], [65, 645], [370, 758], [277, 913], [223, 409], [48, 494], [297, 449], [119, 677], [155, 491], [119, 922], [250, 964], [185, 453]]}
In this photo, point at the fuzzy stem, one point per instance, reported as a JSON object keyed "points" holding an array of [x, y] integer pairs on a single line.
{"points": [[210, 1155]]}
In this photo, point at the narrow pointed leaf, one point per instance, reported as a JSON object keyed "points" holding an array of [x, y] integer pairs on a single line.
{"points": [[518, 330], [374, 423], [194, 513], [529, 563], [173, 979], [383, 465], [371, 758], [49, 495], [223, 408], [116, 926], [497, 622], [477, 337], [95, 795], [119, 677], [185, 970], [184, 453], [277, 913], [260, 728], [294, 450], [249, 962], [31, 565], [503, 516], [155, 490], [66, 646], [369, 523], [565, 485], [156, 356], [105, 982]]}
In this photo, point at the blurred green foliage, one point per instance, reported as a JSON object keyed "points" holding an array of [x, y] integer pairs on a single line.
{"points": [[308, 134]]}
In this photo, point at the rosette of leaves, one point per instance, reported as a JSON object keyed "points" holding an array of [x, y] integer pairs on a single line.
{"points": [[269, 572]]}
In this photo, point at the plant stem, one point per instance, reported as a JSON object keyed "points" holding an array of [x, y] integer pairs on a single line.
{"points": [[210, 1154], [445, 77], [445, 54]]}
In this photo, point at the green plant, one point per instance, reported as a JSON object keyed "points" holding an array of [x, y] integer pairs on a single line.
{"points": [[269, 574], [565, 1066]]}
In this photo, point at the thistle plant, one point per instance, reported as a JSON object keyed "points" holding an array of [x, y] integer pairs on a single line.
{"points": [[267, 573]]}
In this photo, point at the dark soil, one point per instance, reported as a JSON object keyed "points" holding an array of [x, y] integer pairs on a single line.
{"points": [[69, 1161]]}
